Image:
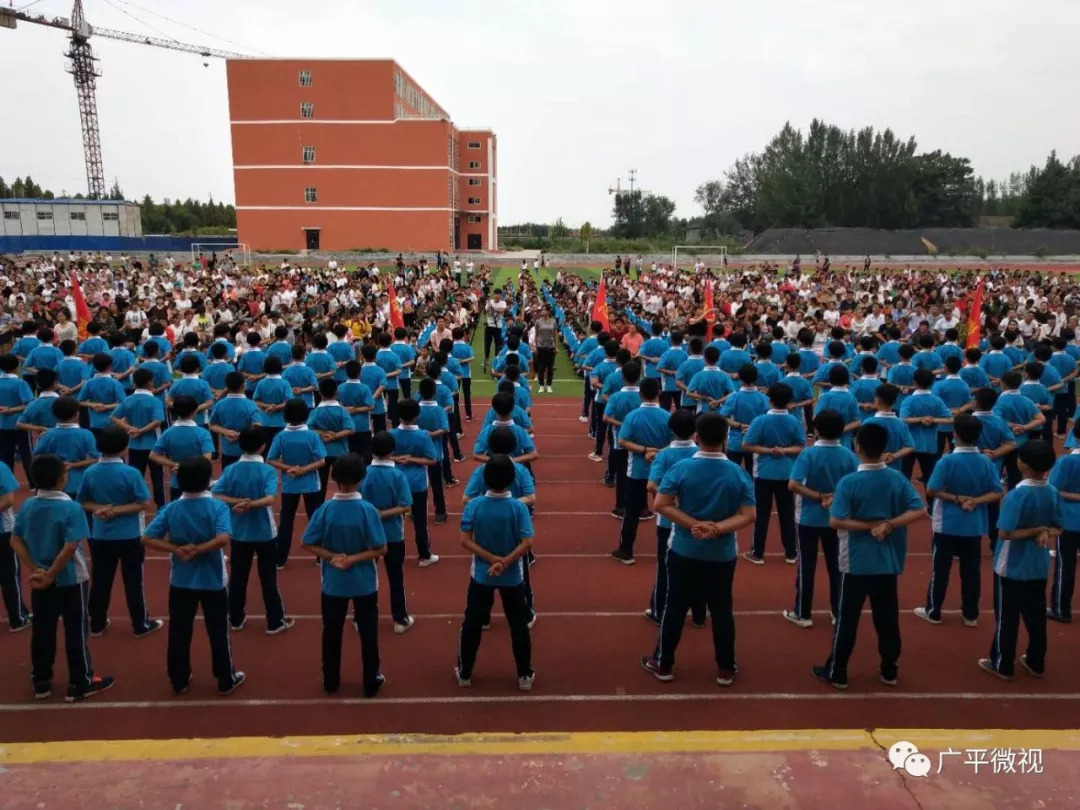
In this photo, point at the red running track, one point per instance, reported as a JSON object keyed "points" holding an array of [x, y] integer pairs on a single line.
{"points": [[587, 643]]}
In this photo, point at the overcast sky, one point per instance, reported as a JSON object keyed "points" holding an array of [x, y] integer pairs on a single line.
{"points": [[577, 91]]}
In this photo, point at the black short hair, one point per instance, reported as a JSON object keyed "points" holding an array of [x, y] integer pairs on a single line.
{"points": [[748, 374], [234, 381], [953, 363], [712, 355], [409, 409], [829, 424], [872, 439], [143, 378], [194, 473], [112, 440], [711, 429], [272, 364], [383, 444], [352, 370], [348, 470], [9, 363], [150, 349], [251, 439], [681, 423], [924, 378], [499, 472], [887, 393], [296, 411], [47, 470], [780, 395], [501, 440], [328, 388], [793, 361], [967, 428], [427, 389], [1038, 454], [1011, 380], [838, 375], [65, 408], [101, 363], [46, 378], [189, 364], [869, 365], [650, 388], [986, 399], [184, 406], [217, 350], [501, 403]]}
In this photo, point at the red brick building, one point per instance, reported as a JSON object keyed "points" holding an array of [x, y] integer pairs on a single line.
{"points": [[353, 154]]}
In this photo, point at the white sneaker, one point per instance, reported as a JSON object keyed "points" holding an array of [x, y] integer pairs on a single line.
{"points": [[462, 682], [549, 389], [583, 419], [922, 614], [525, 683], [532, 622], [795, 620], [595, 457], [404, 628], [430, 561]]}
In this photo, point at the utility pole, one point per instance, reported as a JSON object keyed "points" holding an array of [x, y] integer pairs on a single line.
{"points": [[633, 176]]}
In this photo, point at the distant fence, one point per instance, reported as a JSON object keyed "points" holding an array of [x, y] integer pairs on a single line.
{"points": [[112, 244], [943, 241]]}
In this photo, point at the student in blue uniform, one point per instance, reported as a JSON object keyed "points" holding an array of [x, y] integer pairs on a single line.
{"points": [[1038, 393], [249, 488], [270, 395], [1065, 478], [280, 348], [902, 375], [497, 530], [192, 385], [1065, 398], [740, 409], [463, 353], [996, 363], [75, 445], [871, 510], [191, 349], [524, 451], [94, 344], [996, 442], [116, 498], [334, 425], [183, 439], [1032, 517], [681, 425], [298, 453], [923, 413], [27, 342], [838, 398], [356, 398], [711, 385], [1023, 418], [971, 372], [341, 349], [101, 393], [668, 369], [121, 361], [15, 395], [10, 570], [194, 530], [618, 406], [231, 415], [44, 355], [387, 489], [251, 363], [300, 377], [642, 433], [963, 483], [598, 375], [414, 452], [694, 362], [407, 355], [802, 392], [346, 535], [709, 499], [387, 359], [955, 393], [377, 381], [653, 349], [775, 438], [218, 369], [71, 372], [434, 420], [768, 371], [46, 536], [38, 417], [900, 444], [161, 371], [814, 477]]}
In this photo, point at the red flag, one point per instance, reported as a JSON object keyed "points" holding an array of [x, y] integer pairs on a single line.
{"points": [[599, 310], [710, 316], [397, 320], [974, 313], [82, 311]]}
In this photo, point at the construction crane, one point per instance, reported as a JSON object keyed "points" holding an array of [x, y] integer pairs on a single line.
{"points": [[82, 65]]}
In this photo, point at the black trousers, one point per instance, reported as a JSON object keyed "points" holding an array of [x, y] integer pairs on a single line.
{"points": [[466, 395], [1012, 470], [598, 429], [670, 400], [405, 384], [658, 597], [184, 603], [140, 460], [105, 555], [394, 560], [691, 582], [636, 500], [67, 602], [993, 510], [360, 443], [378, 422], [967, 549], [927, 462], [492, 335], [241, 554], [226, 461], [324, 476], [478, 602], [1064, 582], [810, 538], [617, 466], [391, 406], [766, 491], [451, 446], [1019, 600], [366, 614], [11, 583], [744, 460], [855, 589], [420, 527], [1065, 406], [12, 441], [435, 474], [545, 366], [589, 396], [290, 501], [455, 418]]}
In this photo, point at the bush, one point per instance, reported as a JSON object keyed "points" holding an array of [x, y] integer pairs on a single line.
{"points": [[981, 253], [1041, 252]]}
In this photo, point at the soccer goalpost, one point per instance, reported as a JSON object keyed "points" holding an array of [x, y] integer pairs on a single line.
{"points": [[697, 250], [241, 249]]}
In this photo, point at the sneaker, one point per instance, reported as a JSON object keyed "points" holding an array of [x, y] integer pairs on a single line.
{"points": [[532, 622], [987, 666], [651, 664], [618, 513], [487, 626], [18, 628], [796, 620], [152, 626], [452, 482], [749, 555], [236, 628], [583, 419], [440, 519], [403, 627], [288, 622], [923, 614], [101, 632], [380, 680], [595, 457], [330, 690], [971, 622], [549, 390], [42, 691], [893, 681], [622, 556], [1050, 614], [183, 690], [651, 616], [238, 680], [525, 682], [791, 560], [833, 619], [646, 515], [98, 684], [427, 562], [468, 418], [822, 674], [460, 435], [1031, 670], [281, 566], [463, 682], [610, 484], [459, 459], [726, 677]]}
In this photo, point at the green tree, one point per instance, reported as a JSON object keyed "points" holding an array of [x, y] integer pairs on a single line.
{"points": [[586, 234], [4, 190], [639, 215], [1053, 196], [559, 229]]}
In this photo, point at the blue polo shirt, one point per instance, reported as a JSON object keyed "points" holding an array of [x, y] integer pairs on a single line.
{"points": [[102, 389], [743, 407], [354, 394], [282, 350], [461, 351], [901, 375], [707, 487], [1031, 504], [688, 368], [953, 391], [774, 428], [889, 353], [273, 389], [924, 403], [407, 354], [809, 362], [821, 376], [92, 346], [39, 412], [199, 357], [995, 432], [996, 363], [710, 382], [375, 378], [347, 524], [299, 375], [928, 359], [47, 522], [26, 344], [522, 486], [1065, 477], [411, 440], [965, 471], [43, 356], [499, 523], [192, 385], [767, 373], [653, 347], [194, 519], [330, 416], [841, 400], [947, 350], [678, 450], [111, 482], [734, 359], [234, 412], [670, 360], [230, 349], [250, 478], [122, 360], [899, 435], [820, 467], [14, 392], [183, 440], [1064, 363], [1016, 409], [873, 493], [72, 443], [1037, 393], [163, 375], [215, 373], [71, 372], [320, 361], [251, 362], [519, 417], [8, 485], [434, 418], [388, 361], [646, 425], [297, 446], [386, 487], [975, 377], [342, 352], [523, 444], [801, 390]]}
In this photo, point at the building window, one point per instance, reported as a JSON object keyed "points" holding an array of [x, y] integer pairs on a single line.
{"points": [[110, 216], [78, 216], [11, 215], [474, 164], [307, 109], [474, 201], [305, 78], [310, 194], [475, 219], [474, 144], [44, 214], [309, 154], [474, 181]]}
